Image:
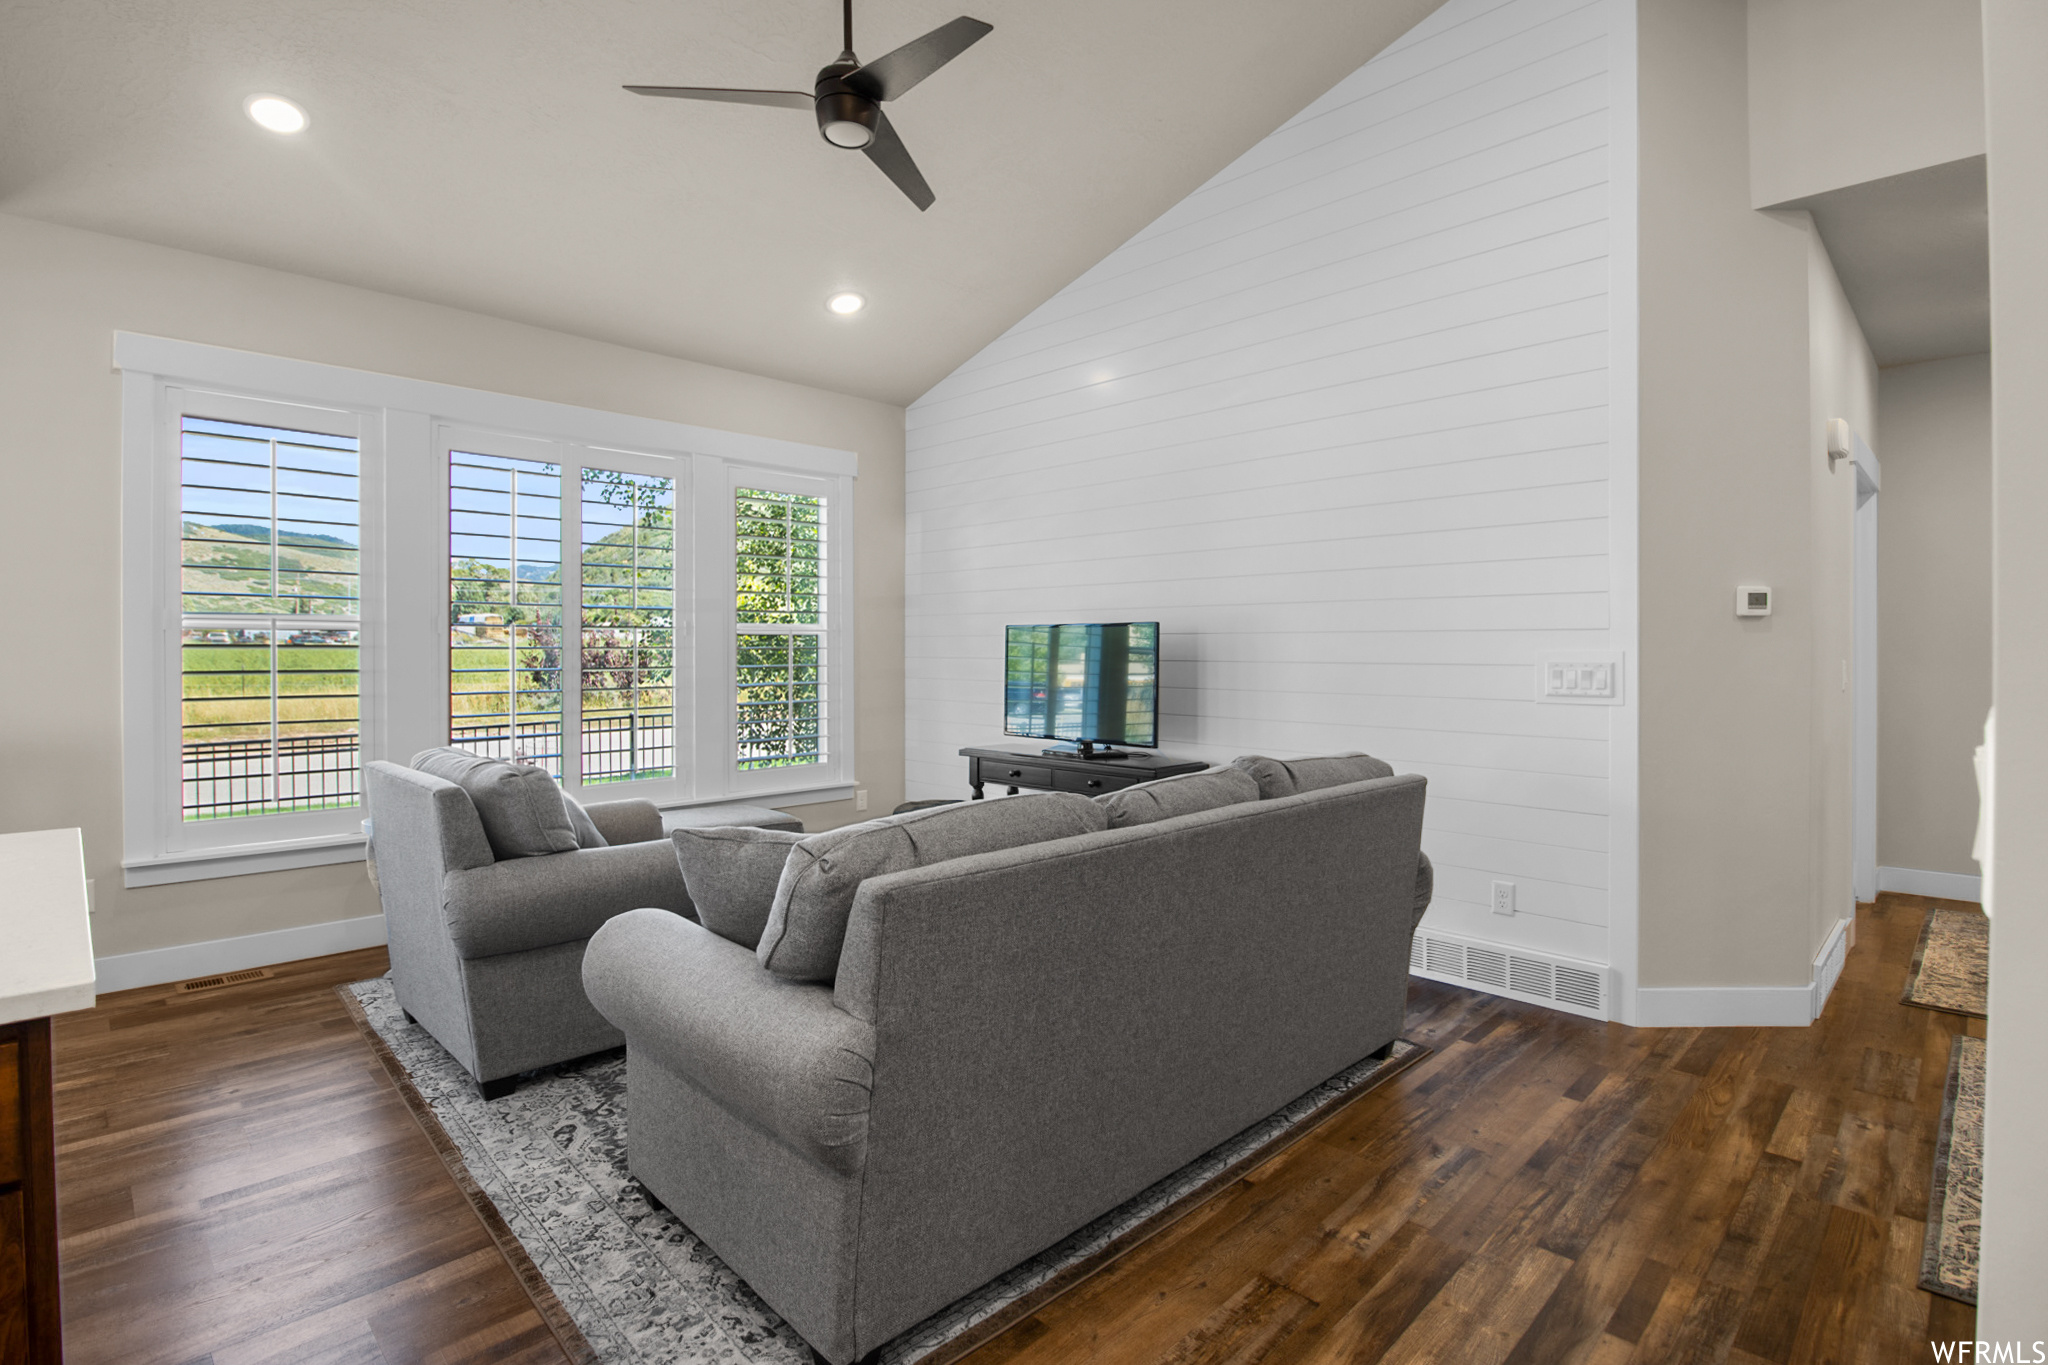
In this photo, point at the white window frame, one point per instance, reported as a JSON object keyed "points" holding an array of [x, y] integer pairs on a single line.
{"points": [[838, 639], [404, 427]]}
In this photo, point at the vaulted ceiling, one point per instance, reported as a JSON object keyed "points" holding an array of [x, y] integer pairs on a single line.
{"points": [[482, 155]]}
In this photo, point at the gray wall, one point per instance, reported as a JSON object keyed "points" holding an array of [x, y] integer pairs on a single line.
{"points": [[1747, 349], [68, 291], [2015, 1237], [1844, 91], [1934, 609]]}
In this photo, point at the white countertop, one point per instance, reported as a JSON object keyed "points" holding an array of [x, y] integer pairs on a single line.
{"points": [[45, 937]]}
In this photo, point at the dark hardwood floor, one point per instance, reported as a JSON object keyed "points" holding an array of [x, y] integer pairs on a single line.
{"points": [[240, 1183]]}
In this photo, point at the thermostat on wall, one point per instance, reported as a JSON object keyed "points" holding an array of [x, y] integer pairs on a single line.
{"points": [[1751, 600]]}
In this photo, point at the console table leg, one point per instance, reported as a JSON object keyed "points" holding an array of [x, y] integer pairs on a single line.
{"points": [[977, 790]]}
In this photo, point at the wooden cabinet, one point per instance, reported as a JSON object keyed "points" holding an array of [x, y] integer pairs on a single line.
{"points": [[1059, 772], [45, 968], [30, 1329]]}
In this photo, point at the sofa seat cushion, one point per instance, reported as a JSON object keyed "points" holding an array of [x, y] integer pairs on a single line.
{"points": [[807, 923], [1291, 776], [524, 903], [732, 874], [521, 806], [1165, 797]]}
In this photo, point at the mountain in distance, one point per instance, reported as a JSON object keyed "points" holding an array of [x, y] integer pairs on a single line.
{"points": [[262, 533]]}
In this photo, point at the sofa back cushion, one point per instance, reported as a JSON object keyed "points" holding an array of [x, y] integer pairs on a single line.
{"points": [[807, 923], [732, 873], [1165, 797], [521, 806], [1292, 776]]}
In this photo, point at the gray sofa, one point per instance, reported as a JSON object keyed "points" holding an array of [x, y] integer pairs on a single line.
{"points": [[1015, 1042]]}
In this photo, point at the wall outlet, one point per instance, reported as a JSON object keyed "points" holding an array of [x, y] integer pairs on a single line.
{"points": [[1503, 898], [860, 800]]}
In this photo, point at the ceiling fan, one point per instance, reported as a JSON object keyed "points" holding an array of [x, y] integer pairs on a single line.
{"points": [[849, 94]]}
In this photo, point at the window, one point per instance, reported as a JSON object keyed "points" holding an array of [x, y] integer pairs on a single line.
{"points": [[779, 614], [322, 567], [269, 573], [515, 602], [629, 607], [505, 608]]}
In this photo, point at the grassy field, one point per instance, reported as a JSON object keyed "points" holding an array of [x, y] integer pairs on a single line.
{"points": [[227, 689]]}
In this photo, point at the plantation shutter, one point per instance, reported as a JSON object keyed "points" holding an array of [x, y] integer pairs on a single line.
{"points": [[270, 626], [780, 622]]}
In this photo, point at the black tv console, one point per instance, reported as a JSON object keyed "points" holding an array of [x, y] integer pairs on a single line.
{"points": [[1068, 772]]}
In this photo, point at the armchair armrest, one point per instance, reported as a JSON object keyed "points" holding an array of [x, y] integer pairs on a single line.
{"points": [[777, 1053], [626, 822], [524, 903]]}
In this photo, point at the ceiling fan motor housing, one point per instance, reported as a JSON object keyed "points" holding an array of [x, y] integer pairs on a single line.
{"points": [[846, 117]]}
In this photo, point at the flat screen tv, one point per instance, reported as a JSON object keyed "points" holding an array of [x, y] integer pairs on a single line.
{"points": [[1085, 684]]}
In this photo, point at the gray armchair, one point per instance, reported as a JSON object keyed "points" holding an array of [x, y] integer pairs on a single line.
{"points": [[488, 956]]}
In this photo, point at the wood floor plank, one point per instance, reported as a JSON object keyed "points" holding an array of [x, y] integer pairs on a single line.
{"points": [[240, 1183]]}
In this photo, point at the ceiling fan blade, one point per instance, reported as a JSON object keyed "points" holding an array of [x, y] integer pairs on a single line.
{"points": [[887, 151], [781, 99], [887, 77]]}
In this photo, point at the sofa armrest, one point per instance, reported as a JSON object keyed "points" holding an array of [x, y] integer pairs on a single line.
{"points": [[777, 1053], [524, 903], [626, 822], [1425, 887]]}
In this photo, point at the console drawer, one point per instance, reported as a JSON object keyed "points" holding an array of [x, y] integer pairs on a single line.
{"points": [[1092, 783], [1014, 774]]}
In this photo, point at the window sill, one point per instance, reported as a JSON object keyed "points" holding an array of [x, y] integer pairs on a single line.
{"points": [[775, 797], [239, 861], [246, 859]]}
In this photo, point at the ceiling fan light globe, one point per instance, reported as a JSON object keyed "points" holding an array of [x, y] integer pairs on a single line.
{"points": [[846, 119]]}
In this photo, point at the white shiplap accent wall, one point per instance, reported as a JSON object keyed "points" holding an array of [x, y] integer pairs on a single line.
{"points": [[1342, 422]]}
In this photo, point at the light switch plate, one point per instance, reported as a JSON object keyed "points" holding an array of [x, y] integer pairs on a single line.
{"points": [[1580, 676]]}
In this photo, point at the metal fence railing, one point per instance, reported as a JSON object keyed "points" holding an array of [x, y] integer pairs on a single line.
{"points": [[223, 777]]}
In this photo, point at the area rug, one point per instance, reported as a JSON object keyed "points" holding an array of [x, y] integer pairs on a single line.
{"points": [[1951, 963], [1948, 1264], [622, 1282]]}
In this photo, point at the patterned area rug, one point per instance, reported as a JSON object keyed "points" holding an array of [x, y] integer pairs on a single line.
{"points": [[1948, 1265], [622, 1282], [1951, 963]]}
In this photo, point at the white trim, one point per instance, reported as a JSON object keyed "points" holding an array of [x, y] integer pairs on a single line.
{"points": [[1750, 1006], [1624, 635], [1724, 1006], [157, 966], [203, 864], [788, 796], [1953, 886], [268, 374]]}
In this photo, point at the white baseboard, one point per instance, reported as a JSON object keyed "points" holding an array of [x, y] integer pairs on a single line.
{"points": [[1749, 1006], [1724, 1006], [155, 967], [1954, 886]]}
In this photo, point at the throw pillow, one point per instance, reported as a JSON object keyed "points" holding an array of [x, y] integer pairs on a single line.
{"points": [[587, 833], [1291, 776], [732, 874], [1166, 797], [807, 924], [520, 806]]}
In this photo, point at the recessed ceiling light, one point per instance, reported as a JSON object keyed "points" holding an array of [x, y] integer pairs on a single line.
{"points": [[276, 113], [846, 303]]}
